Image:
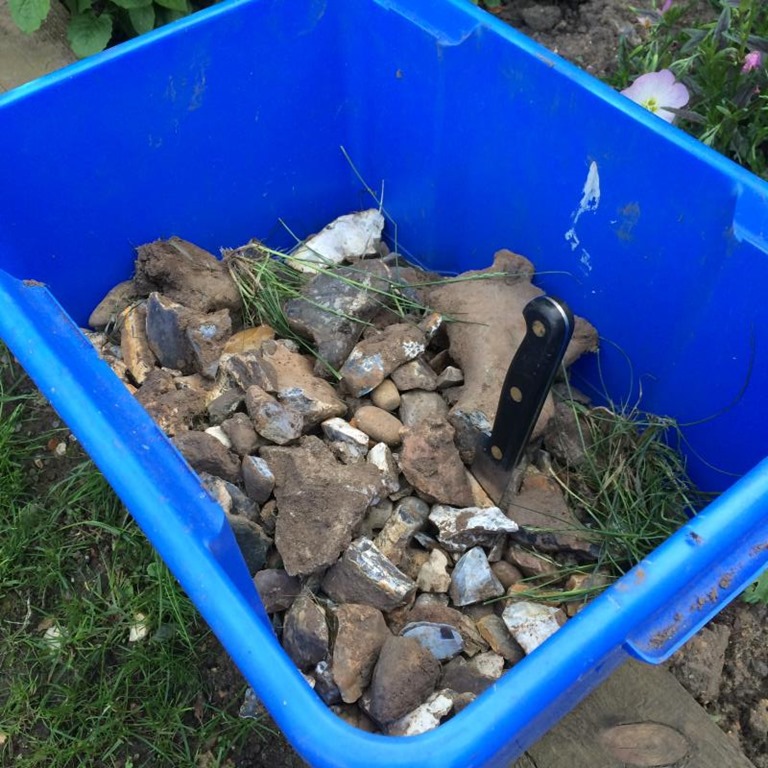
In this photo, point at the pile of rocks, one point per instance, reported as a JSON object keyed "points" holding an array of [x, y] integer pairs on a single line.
{"points": [[370, 543]]}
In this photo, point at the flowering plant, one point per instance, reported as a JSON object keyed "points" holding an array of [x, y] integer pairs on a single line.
{"points": [[659, 92]]}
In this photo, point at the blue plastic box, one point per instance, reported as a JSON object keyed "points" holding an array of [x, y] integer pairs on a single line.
{"points": [[217, 126]]}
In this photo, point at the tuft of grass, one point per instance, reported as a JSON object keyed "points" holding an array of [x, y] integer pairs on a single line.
{"points": [[76, 575]]}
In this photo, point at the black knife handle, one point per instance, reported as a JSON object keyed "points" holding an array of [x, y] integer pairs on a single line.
{"points": [[549, 327]]}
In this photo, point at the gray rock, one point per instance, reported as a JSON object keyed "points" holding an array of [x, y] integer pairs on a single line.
{"points": [[364, 575], [373, 359], [348, 444], [532, 623], [442, 640], [321, 503], [206, 454], [462, 528], [244, 438], [258, 478], [186, 274], [415, 375], [409, 516], [360, 633], [272, 420], [335, 306], [426, 716], [241, 504], [404, 677], [450, 377], [473, 580], [431, 464], [166, 332], [418, 406], [432, 610], [224, 405], [325, 686], [252, 540], [305, 632], [542, 18]]}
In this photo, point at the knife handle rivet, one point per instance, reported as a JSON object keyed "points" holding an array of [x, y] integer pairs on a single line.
{"points": [[538, 328], [496, 452], [516, 394]]}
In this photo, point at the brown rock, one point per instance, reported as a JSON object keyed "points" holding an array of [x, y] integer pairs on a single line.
{"points": [[361, 632], [378, 424], [530, 563], [134, 345], [415, 375], [258, 478], [112, 305], [417, 407], [465, 676], [431, 464], [276, 589], [174, 410], [252, 540], [206, 335], [386, 396], [206, 454], [248, 340], [320, 501], [244, 438], [404, 676], [493, 630], [186, 274]]}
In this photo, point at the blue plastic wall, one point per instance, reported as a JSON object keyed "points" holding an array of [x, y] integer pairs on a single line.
{"points": [[219, 127]]}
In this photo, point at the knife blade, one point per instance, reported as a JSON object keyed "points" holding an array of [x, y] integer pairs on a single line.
{"points": [[549, 327]]}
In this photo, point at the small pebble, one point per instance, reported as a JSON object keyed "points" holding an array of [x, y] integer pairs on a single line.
{"points": [[379, 425], [386, 396]]}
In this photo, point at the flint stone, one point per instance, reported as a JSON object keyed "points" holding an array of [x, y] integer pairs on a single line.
{"points": [[436, 612], [335, 306], [462, 528], [541, 504], [473, 580], [442, 640], [409, 516], [244, 438], [426, 716], [305, 632], [297, 386], [245, 369], [376, 518], [348, 237], [241, 504], [373, 359], [220, 435], [379, 425], [113, 304], [417, 407], [166, 332], [272, 420], [364, 575], [386, 396], [450, 377], [186, 274], [415, 375], [218, 490], [325, 687], [431, 464], [321, 503], [206, 454], [360, 634], [225, 404], [472, 676], [252, 540], [206, 335], [381, 457], [175, 411], [494, 631], [532, 623], [354, 443], [404, 677], [434, 576], [258, 478], [134, 345]]}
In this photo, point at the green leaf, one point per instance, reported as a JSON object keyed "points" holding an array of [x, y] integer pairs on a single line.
{"points": [[129, 4], [88, 33], [175, 5], [142, 19], [758, 592], [29, 14]]}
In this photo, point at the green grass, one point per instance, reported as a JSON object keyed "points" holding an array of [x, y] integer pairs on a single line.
{"points": [[73, 562]]}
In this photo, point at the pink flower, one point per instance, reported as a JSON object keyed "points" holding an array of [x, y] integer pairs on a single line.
{"points": [[667, 5], [753, 60], [658, 92]]}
